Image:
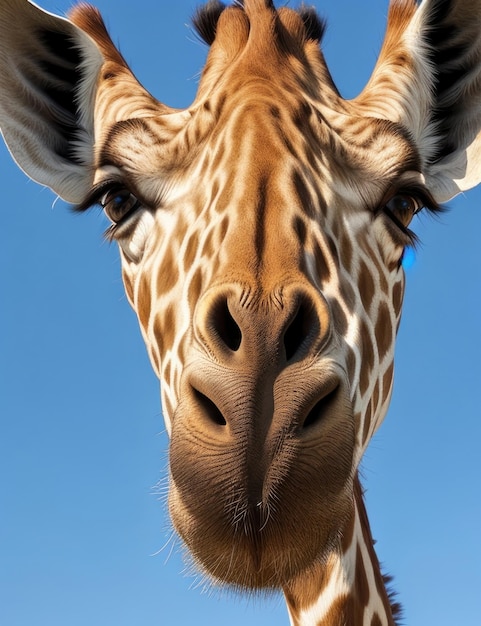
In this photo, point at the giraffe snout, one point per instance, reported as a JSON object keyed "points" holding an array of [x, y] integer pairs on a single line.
{"points": [[263, 355], [238, 327], [263, 415]]}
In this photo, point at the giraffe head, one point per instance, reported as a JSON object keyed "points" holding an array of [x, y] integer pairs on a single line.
{"points": [[262, 232]]}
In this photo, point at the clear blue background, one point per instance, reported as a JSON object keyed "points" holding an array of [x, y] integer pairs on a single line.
{"points": [[84, 534]]}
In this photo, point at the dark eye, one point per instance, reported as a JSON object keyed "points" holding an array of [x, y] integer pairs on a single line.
{"points": [[402, 207], [118, 204]]}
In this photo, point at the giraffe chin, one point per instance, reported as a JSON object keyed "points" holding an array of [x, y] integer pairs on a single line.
{"points": [[242, 498], [256, 554], [263, 558]]}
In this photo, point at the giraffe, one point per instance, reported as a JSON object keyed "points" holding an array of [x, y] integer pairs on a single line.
{"points": [[270, 308]]}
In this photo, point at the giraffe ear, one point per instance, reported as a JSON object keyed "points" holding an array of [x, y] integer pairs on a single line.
{"points": [[428, 78], [51, 73], [48, 73]]}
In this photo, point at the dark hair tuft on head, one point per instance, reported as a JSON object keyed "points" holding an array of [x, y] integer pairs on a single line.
{"points": [[205, 20], [315, 26]]}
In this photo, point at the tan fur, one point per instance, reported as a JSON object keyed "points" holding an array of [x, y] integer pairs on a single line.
{"points": [[261, 249], [89, 19]]}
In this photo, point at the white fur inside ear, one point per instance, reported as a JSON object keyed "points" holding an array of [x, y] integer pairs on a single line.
{"points": [[455, 173], [50, 142]]}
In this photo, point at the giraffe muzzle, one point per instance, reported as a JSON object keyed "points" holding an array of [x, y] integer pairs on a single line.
{"points": [[263, 415]]}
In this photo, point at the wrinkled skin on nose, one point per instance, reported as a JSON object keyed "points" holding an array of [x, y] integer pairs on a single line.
{"points": [[262, 439]]}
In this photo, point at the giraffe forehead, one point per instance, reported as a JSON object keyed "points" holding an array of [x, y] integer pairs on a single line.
{"points": [[258, 134]]}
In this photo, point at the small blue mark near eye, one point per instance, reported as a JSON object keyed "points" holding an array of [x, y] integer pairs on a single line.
{"points": [[409, 257]]}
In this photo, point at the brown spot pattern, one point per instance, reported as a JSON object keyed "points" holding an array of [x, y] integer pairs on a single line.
{"points": [[367, 287], [367, 362], [376, 620], [383, 330], [362, 584], [287, 205]]}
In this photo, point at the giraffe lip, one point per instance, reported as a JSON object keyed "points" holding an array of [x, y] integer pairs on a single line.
{"points": [[254, 455]]}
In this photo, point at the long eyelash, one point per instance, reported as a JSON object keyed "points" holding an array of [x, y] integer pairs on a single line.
{"points": [[94, 199], [109, 233], [427, 203], [424, 196], [412, 239], [95, 195]]}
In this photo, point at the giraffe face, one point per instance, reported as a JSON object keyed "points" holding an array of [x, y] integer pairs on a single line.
{"points": [[265, 271], [261, 234]]}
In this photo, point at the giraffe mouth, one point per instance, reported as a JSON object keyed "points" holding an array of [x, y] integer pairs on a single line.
{"points": [[260, 475]]}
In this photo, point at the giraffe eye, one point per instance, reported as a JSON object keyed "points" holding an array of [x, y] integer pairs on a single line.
{"points": [[402, 207], [119, 204]]}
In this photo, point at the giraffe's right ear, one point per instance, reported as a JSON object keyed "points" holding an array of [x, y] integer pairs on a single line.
{"points": [[51, 70], [48, 75]]}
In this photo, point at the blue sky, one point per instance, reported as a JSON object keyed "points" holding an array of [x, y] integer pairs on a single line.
{"points": [[83, 449]]}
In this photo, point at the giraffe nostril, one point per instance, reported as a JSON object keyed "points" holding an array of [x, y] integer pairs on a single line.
{"points": [[302, 326], [224, 326], [320, 409], [209, 409]]}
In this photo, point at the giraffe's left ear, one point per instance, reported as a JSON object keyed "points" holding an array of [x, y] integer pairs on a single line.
{"points": [[51, 73], [428, 78]]}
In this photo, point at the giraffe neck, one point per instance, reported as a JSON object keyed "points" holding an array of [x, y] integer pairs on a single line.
{"points": [[347, 588]]}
